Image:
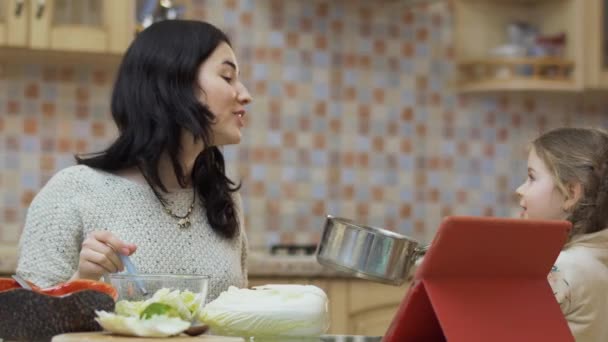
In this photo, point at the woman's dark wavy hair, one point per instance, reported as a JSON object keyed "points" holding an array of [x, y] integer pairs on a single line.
{"points": [[579, 155], [155, 97]]}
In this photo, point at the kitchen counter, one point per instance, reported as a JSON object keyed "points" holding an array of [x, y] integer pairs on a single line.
{"points": [[263, 264]]}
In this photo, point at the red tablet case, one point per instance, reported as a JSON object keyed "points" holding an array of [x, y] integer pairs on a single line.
{"points": [[485, 279]]}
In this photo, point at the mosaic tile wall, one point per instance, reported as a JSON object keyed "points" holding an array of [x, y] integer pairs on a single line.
{"points": [[353, 115]]}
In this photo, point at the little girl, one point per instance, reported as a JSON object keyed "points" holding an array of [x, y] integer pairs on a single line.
{"points": [[568, 180]]}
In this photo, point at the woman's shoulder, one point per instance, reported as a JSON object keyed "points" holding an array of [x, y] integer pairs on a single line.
{"points": [[76, 175]]}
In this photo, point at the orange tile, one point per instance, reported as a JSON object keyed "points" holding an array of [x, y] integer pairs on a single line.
{"points": [[82, 111], [260, 87], [274, 120], [26, 198], [379, 95], [379, 47], [303, 221], [406, 146], [419, 227], [47, 163], [363, 159], [407, 50], [529, 105], [462, 148], [348, 159], [246, 19], [362, 209], [292, 39], [305, 24], [230, 4], [390, 224], [348, 192], [434, 195], [276, 55], [13, 107], [421, 130], [461, 196], [82, 146], [82, 94], [98, 129], [335, 126], [64, 145], [333, 175], [318, 142], [365, 61], [260, 54], [258, 188], [433, 163], [30, 126], [420, 178], [322, 10], [446, 211], [289, 190], [350, 61], [275, 155], [407, 114], [273, 207], [336, 26], [100, 77], [258, 155], [422, 34], [350, 94], [318, 208], [320, 42], [421, 82], [408, 17], [488, 211], [32, 91], [377, 193], [320, 109], [304, 124], [289, 139], [48, 109], [10, 215], [378, 144], [488, 150]]}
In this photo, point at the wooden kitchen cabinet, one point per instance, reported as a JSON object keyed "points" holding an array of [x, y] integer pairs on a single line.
{"points": [[596, 38], [482, 25], [106, 26], [356, 307], [99, 26], [13, 23]]}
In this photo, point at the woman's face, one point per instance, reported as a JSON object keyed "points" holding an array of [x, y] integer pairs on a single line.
{"points": [[539, 197], [224, 95]]}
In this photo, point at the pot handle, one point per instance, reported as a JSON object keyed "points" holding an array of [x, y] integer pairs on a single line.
{"points": [[419, 252]]}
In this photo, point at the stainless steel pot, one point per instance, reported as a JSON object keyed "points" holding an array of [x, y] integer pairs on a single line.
{"points": [[367, 252]]}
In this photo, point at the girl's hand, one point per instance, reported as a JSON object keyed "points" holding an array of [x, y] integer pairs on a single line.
{"points": [[99, 255]]}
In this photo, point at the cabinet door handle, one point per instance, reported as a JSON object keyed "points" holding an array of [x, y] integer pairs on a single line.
{"points": [[40, 9], [18, 7]]}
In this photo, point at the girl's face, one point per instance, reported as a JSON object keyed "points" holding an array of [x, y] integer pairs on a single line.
{"points": [[539, 197], [224, 95]]}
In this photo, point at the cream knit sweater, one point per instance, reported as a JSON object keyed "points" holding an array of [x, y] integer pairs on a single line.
{"points": [[79, 200]]}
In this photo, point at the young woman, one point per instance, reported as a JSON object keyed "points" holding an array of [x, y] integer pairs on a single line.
{"points": [[568, 180], [159, 192]]}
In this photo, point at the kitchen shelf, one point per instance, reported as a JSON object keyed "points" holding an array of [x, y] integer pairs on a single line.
{"points": [[526, 73], [481, 27]]}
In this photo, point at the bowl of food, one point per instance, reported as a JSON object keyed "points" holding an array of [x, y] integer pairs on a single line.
{"points": [[154, 305]]}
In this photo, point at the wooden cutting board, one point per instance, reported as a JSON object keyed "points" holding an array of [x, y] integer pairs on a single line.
{"points": [[104, 336]]}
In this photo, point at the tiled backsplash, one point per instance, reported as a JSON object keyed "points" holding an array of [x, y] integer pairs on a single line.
{"points": [[354, 115]]}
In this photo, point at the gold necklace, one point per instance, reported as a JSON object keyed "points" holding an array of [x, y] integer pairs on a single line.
{"points": [[183, 222]]}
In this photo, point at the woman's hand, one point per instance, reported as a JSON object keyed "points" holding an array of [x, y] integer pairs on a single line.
{"points": [[99, 255]]}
